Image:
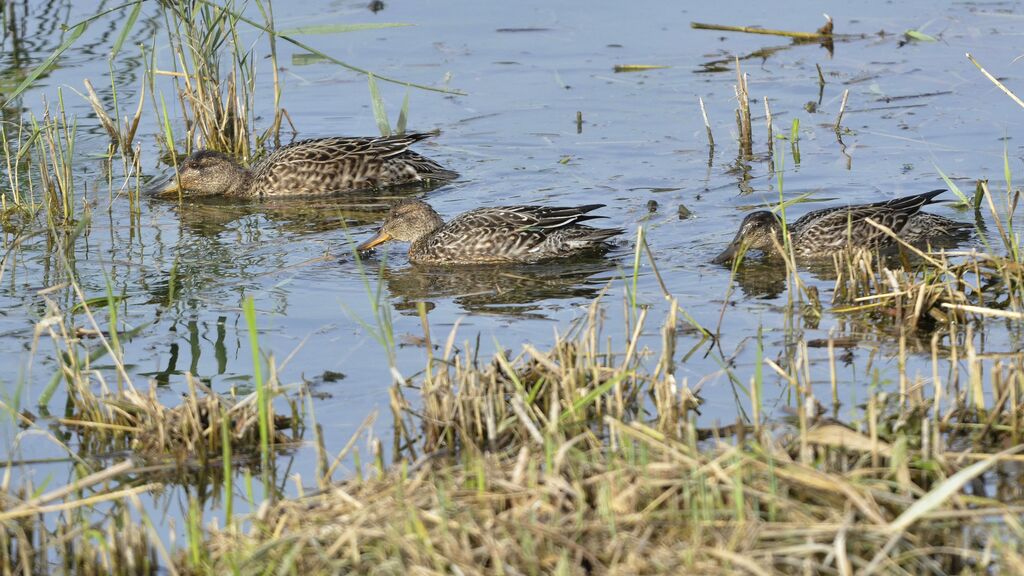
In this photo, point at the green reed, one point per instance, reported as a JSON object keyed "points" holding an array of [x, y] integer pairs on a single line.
{"points": [[262, 396]]}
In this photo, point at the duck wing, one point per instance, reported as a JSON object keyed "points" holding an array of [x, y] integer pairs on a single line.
{"points": [[326, 165], [837, 227], [509, 233]]}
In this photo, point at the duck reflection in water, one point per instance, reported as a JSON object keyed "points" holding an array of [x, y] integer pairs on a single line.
{"points": [[524, 291]]}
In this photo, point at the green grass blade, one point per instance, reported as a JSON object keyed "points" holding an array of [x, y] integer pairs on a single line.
{"points": [[225, 442], [47, 64], [128, 25], [1007, 173], [946, 490], [249, 309], [593, 395], [805, 197], [920, 36], [378, 107], [168, 131], [97, 302], [956, 189]]}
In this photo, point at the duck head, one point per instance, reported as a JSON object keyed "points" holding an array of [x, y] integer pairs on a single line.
{"points": [[407, 221], [759, 231], [206, 173]]}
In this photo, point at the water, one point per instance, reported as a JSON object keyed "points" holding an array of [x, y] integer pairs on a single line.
{"points": [[526, 69]]}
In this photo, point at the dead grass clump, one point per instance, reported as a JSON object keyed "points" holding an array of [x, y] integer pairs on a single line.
{"points": [[653, 505], [85, 527], [914, 296], [189, 434], [935, 291], [194, 426], [118, 547], [566, 391]]}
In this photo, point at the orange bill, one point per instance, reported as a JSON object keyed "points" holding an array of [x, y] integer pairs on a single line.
{"points": [[377, 240]]}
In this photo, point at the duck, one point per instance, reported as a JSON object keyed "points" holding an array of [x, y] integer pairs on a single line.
{"points": [[313, 167], [497, 235], [824, 232]]}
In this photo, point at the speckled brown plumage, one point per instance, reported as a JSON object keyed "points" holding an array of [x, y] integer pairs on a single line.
{"points": [[505, 234], [311, 167], [824, 232]]}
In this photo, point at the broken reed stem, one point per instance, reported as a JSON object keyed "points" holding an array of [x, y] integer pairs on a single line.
{"points": [[31, 506], [842, 109], [995, 81], [707, 123], [821, 77], [771, 133], [985, 311], [757, 30], [743, 112]]}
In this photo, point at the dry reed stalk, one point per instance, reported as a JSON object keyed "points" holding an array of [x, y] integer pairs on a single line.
{"points": [[707, 123], [842, 109], [746, 137]]}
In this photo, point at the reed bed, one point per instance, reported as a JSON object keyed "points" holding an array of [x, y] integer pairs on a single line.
{"points": [[577, 460]]}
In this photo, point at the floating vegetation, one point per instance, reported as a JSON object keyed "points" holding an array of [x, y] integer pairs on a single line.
{"points": [[823, 33], [638, 67]]}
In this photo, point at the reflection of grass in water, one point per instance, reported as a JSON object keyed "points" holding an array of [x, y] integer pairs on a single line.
{"points": [[189, 434], [168, 445]]}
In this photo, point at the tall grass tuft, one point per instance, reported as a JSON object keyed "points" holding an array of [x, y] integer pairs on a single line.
{"points": [[216, 98]]}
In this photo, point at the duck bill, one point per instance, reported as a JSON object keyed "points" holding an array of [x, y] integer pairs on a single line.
{"points": [[729, 254], [377, 240], [164, 186]]}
